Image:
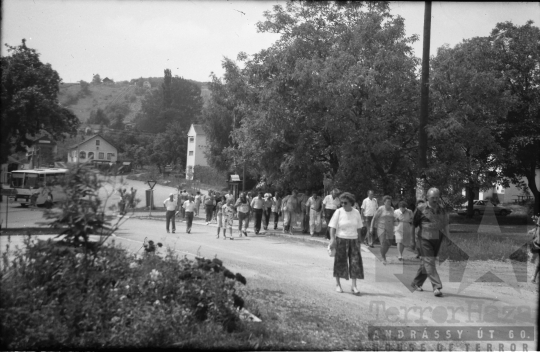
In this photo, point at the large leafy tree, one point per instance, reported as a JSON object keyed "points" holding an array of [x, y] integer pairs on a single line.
{"points": [[517, 60], [335, 94], [467, 100], [178, 100], [169, 147], [30, 101], [224, 112]]}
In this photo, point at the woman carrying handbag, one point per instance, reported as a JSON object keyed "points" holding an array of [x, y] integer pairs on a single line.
{"points": [[345, 226]]}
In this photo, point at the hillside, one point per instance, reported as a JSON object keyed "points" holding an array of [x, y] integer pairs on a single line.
{"points": [[102, 95]]}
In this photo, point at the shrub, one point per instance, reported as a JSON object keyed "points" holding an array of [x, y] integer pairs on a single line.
{"points": [[82, 213], [85, 89], [53, 298], [209, 176], [71, 99]]}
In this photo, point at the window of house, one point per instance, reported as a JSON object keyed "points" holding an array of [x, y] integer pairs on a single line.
{"points": [[191, 139], [101, 155], [190, 152], [90, 155], [97, 141], [109, 156], [82, 155]]}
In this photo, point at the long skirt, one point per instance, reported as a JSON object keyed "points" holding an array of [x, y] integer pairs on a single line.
{"points": [[348, 260]]}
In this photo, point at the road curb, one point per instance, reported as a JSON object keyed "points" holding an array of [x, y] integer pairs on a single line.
{"points": [[302, 238]]}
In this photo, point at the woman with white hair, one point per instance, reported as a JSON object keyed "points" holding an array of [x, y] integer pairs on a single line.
{"points": [[345, 226]]}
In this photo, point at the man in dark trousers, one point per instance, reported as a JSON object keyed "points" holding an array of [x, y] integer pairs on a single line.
{"points": [[432, 222], [257, 204], [170, 205]]}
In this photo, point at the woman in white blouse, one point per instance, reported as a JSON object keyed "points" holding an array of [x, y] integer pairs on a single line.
{"points": [[403, 218], [345, 226]]}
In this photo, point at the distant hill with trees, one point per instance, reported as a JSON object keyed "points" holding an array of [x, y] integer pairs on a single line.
{"points": [[84, 99]]}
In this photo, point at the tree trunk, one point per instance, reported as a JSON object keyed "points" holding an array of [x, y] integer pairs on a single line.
{"points": [[470, 201], [531, 179]]}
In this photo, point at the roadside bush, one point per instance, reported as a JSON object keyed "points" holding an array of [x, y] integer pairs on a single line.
{"points": [[53, 297], [71, 99], [210, 176]]}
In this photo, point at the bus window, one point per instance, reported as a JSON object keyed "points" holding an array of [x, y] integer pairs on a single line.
{"points": [[41, 181], [17, 180], [31, 181]]}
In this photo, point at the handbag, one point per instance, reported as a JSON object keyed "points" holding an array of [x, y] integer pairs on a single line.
{"points": [[331, 252]]}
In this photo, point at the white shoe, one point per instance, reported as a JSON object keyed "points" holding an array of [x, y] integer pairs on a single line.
{"points": [[207, 223]]}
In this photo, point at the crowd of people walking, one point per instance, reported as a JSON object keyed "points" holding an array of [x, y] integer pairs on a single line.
{"points": [[348, 224]]}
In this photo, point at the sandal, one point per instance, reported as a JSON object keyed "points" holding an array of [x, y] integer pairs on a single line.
{"points": [[355, 291], [338, 289]]}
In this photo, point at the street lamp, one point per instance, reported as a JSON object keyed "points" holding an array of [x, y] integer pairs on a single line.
{"points": [[151, 183]]}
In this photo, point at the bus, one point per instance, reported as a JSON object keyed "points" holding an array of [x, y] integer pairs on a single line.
{"points": [[37, 181]]}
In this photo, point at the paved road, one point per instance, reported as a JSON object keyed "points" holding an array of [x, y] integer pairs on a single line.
{"points": [[302, 272]]}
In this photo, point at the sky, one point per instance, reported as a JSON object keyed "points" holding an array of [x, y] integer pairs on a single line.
{"points": [[130, 39]]}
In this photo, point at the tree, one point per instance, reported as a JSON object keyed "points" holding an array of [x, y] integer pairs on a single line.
{"points": [[184, 106], [30, 101], [116, 113], [222, 115], [96, 79], [517, 60], [98, 117], [336, 93], [85, 89], [467, 100], [169, 147]]}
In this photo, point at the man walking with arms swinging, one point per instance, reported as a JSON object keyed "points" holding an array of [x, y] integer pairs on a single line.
{"points": [[368, 209], [432, 221]]}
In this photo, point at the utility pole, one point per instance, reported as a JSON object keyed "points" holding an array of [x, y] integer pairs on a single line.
{"points": [[244, 177], [424, 103]]}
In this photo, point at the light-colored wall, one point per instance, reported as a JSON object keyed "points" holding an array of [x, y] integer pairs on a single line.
{"points": [[90, 146], [198, 146], [509, 194]]}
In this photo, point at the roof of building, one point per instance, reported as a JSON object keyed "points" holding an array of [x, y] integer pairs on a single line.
{"points": [[89, 138], [198, 129]]}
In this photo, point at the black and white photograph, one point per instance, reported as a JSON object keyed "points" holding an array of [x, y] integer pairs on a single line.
{"points": [[269, 175]]}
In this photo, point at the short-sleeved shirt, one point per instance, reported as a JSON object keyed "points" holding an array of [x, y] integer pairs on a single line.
{"points": [[171, 205], [432, 222], [257, 203], [331, 203], [290, 203], [189, 206], [242, 207], [369, 206], [314, 204], [346, 223], [209, 200], [276, 204], [219, 207]]}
